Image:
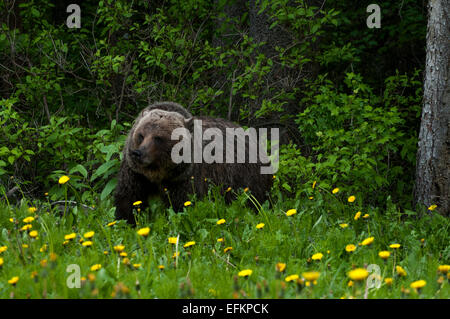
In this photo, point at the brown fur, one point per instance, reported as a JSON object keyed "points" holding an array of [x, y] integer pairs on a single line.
{"points": [[154, 171]]}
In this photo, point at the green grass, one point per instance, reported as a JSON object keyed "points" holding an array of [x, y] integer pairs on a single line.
{"points": [[204, 270]]}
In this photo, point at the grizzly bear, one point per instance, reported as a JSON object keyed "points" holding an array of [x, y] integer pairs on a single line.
{"points": [[148, 168]]}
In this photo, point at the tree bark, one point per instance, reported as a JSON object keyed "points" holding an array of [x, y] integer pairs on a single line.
{"points": [[433, 155]]}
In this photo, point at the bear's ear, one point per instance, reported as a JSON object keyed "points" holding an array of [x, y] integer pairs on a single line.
{"points": [[188, 121]]}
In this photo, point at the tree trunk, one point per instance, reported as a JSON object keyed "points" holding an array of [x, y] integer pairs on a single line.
{"points": [[433, 155]]}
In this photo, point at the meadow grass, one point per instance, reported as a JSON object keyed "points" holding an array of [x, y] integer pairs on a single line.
{"points": [[323, 224]]}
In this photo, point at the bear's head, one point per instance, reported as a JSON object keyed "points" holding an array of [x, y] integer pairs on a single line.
{"points": [[150, 144]]}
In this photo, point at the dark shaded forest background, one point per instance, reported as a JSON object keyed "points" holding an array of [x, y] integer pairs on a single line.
{"points": [[346, 98]]}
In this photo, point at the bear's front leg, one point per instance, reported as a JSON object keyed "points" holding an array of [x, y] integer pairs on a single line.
{"points": [[131, 187]]}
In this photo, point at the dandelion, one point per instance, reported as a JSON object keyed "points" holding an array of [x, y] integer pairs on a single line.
{"points": [[291, 212], [291, 278], [189, 244], [105, 252], [28, 220], [350, 283], [351, 199], [350, 248], [13, 281], [1, 261], [358, 274], [228, 189], [173, 240], [280, 267], [65, 242], [365, 216], [357, 216], [161, 267], [432, 207], [175, 255], [260, 225], [219, 240], [70, 236], [87, 243], [144, 231], [343, 225], [43, 248], [367, 241], [32, 210], [418, 284], [317, 256], [26, 227], [123, 254], [136, 266], [126, 261], [227, 249], [246, 190], [335, 191], [220, 221], [33, 233], [394, 246], [245, 273], [63, 179], [444, 269], [96, 267], [384, 254], [400, 271], [314, 184], [111, 223], [89, 234], [311, 197], [311, 275], [119, 248], [188, 203], [388, 281], [137, 203]]}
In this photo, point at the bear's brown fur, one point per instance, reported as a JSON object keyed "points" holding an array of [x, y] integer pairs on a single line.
{"points": [[147, 168]]}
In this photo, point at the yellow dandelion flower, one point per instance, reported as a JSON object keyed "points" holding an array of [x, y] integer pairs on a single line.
{"points": [[63, 179], [357, 216], [24, 246], [3, 249], [220, 221], [111, 223], [350, 248], [418, 284], [105, 252], [280, 267], [137, 203], [32, 210], [311, 275], [126, 261], [432, 207], [384, 254], [358, 274], [291, 212], [335, 191], [161, 267], [351, 199], [123, 254], [70, 236], [350, 283], [366, 216], [291, 278], [173, 240], [394, 246], [219, 240], [87, 243], [28, 220], [43, 263], [119, 248], [136, 266], [227, 249], [260, 225], [89, 234], [245, 273], [144, 231], [189, 243], [188, 203], [246, 190], [13, 280], [65, 242], [444, 268], [96, 267], [26, 227], [43, 248], [388, 281], [314, 184], [317, 256], [228, 189], [367, 241], [343, 225], [400, 271], [33, 233], [1, 261]]}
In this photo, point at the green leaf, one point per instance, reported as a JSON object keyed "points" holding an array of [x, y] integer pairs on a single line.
{"points": [[108, 188]]}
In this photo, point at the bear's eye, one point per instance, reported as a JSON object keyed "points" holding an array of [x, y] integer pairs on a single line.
{"points": [[140, 138]]}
